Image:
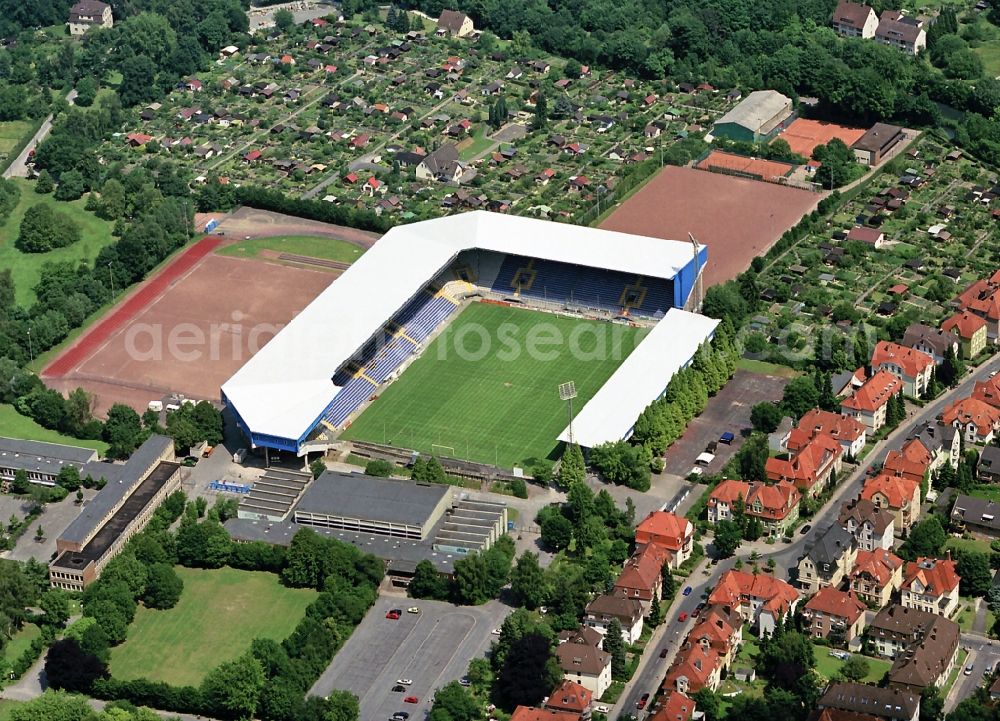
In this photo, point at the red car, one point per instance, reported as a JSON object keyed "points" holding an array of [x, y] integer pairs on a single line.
{"points": [[641, 703], [411, 699], [394, 614], [683, 617]]}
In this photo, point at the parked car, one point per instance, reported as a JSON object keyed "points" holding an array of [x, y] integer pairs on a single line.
{"points": [[697, 609], [413, 609], [394, 614], [712, 447], [189, 461], [400, 716], [398, 689], [496, 631], [663, 652], [968, 670], [464, 681], [687, 591], [805, 529], [404, 681], [683, 617], [727, 438], [601, 708], [411, 699], [641, 703]]}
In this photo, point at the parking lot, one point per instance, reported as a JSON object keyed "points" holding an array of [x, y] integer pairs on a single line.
{"points": [[727, 411], [431, 648]]}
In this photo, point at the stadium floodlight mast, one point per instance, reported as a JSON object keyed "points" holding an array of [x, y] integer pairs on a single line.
{"points": [[567, 392]]}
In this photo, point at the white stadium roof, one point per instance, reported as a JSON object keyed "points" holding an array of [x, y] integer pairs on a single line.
{"points": [[285, 387], [643, 376]]}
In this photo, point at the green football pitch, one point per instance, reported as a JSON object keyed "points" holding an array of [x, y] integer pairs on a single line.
{"points": [[486, 389]]}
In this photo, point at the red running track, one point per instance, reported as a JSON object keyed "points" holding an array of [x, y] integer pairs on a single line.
{"points": [[130, 308]]}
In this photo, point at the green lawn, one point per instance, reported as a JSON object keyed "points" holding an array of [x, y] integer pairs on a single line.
{"points": [[14, 425], [967, 544], [11, 133], [220, 612], [479, 142], [989, 53], [313, 246], [95, 234], [481, 393], [765, 368], [987, 492], [828, 666], [20, 642], [6, 707]]}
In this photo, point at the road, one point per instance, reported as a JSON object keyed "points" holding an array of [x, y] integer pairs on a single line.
{"points": [[19, 168], [652, 668]]}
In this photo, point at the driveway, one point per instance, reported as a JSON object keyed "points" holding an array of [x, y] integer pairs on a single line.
{"points": [[19, 168], [431, 648]]}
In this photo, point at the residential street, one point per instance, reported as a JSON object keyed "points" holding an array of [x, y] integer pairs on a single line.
{"points": [[652, 668]]}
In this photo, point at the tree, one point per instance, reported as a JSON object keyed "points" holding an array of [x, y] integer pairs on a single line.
{"points": [[317, 468], [39, 534], [379, 468], [69, 478], [79, 496], [855, 668], [341, 706], [427, 582], [44, 229], [68, 667], [541, 117], [55, 606], [163, 587], [471, 582], [668, 587], [233, 688], [800, 396], [572, 468], [19, 486], [453, 703], [728, 536], [765, 417], [529, 671], [974, 571], [44, 185], [71, 186], [138, 81], [527, 582], [122, 431], [615, 645], [708, 703], [926, 539], [556, 532], [655, 616], [284, 20], [931, 704]]}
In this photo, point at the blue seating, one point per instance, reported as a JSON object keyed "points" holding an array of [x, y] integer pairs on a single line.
{"points": [[389, 359], [432, 315], [351, 396], [564, 283]]}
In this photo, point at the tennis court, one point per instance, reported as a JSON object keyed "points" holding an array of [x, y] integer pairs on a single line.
{"points": [[803, 135], [740, 165]]}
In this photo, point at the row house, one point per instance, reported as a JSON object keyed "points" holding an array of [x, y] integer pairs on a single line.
{"points": [[944, 443], [923, 646], [695, 667], [977, 421], [570, 697], [911, 366], [829, 560], [834, 612], [810, 468], [669, 531], [872, 527], [912, 461], [845, 429], [876, 576], [760, 599], [983, 299], [934, 342], [607, 607], [970, 330], [642, 576], [775, 506], [869, 402], [931, 584], [900, 496], [582, 660], [674, 706]]}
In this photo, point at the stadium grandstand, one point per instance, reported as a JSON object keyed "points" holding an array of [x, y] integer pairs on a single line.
{"points": [[306, 384]]}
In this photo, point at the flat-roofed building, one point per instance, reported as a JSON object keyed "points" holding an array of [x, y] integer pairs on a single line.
{"points": [[875, 144], [120, 510], [41, 461]]}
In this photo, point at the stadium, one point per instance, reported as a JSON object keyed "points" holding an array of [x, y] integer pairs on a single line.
{"points": [[367, 360]]}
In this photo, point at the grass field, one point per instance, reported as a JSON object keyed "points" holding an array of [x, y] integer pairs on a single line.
{"points": [[6, 708], [220, 612], [483, 402], [14, 425], [313, 246], [11, 133], [20, 642], [95, 234], [828, 666]]}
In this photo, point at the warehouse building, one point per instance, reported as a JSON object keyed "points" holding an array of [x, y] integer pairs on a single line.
{"points": [[872, 147], [119, 511], [272, 496], [41, 461], [756, 119], [399, 521]]}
